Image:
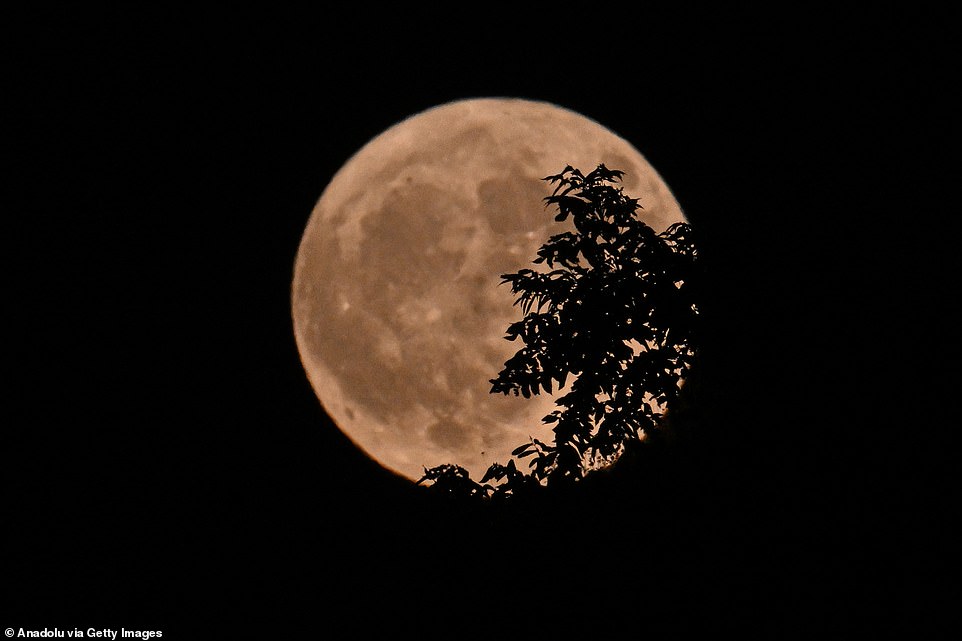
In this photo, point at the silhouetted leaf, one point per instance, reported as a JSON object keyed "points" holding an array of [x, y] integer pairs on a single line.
{"points": [[522, 449]]}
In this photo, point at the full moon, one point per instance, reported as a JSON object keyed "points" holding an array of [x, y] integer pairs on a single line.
{"points": [[397, 311]]}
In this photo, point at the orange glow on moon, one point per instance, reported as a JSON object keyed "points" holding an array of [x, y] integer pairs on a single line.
{"points": [[397, 312]]}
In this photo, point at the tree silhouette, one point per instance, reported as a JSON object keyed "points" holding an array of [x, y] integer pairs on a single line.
{"points": [[612, 308]]}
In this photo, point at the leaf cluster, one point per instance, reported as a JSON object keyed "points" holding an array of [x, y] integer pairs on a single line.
{"points": [[611, 307]]}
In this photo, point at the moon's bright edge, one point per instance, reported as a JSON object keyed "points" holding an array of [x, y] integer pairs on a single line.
{"points": [[397, 310]]}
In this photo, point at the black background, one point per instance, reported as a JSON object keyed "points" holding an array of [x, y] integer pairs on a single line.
{"points": [[170, 467]]}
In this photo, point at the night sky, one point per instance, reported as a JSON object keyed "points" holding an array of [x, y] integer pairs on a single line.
{"points": [[171, 468]]}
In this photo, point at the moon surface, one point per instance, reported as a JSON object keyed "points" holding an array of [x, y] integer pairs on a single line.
{"points": [[396, 305]]}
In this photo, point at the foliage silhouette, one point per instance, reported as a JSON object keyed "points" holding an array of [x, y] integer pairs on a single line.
{"points": [[612, 309]]}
